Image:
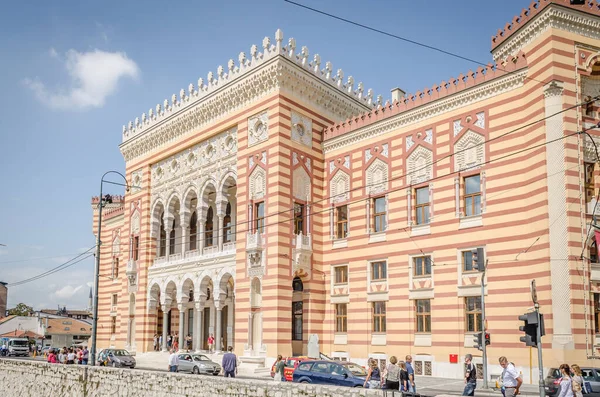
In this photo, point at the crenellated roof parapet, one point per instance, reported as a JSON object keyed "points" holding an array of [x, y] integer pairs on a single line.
{"points": [[246, 63], [500, 49], [429, 95]]}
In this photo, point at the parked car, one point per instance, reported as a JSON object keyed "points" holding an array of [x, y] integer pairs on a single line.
{"points": [[198, 364], [337, 373], [590, 375], [116, 358], [290, 365]]}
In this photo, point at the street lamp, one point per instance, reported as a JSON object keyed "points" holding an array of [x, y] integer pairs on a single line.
{"points": [[97, 270]]}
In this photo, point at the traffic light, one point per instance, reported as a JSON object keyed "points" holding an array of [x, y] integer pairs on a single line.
{"points": [[530, 327], [478, 259], [488, 339], [477, 341]]}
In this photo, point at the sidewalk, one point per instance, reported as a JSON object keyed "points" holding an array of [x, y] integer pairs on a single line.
{"points": [[431, 386]]}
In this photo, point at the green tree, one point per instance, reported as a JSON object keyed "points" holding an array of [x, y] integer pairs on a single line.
{"points": [[21, 310]]}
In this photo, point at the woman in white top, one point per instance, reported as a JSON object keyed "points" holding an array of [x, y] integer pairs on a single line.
{"points": [[566, 384], [577, 380]]}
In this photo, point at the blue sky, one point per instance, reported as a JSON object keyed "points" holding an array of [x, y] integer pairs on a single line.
{"points": [[73, 72]]}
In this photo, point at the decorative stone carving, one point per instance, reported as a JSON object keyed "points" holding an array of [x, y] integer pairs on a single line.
{"points": [[480, 120], [457, 127], [331, 166], [301, 129], [429, 136], [420, 165], [385, 150], [339, 187], [136, 181], [263, 158], [258, 128], [135, 223], [294, 158], [368, 155], [347, 162], [409, 142], [377, 177], [469, 151], [301, 182], [258, 183]]}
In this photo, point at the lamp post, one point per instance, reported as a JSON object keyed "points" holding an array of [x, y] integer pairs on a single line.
{"points": [[97, 269]]}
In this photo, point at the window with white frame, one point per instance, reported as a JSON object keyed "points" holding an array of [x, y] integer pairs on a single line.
{"points": [[422, 266], [340, 274], [423, 315], [422, 205], [378, 271], [379, 317], [341, 221], [472, 195], [379, 214], [341, 318]]}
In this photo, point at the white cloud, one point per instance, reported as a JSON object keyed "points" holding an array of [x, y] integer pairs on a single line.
{"points": [[53, 52], [67, 291], [94, 76]]}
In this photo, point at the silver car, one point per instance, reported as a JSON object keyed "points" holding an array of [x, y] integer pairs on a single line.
{"points": [[198, 364]]}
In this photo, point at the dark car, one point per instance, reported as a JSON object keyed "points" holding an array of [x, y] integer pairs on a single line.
{"points": [[338, 373], [118, 358], [590, 376]]}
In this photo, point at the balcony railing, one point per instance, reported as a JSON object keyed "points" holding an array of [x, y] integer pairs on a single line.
{"points": [[211, 250], [229, 246], [302, 241], [196, 254], [191, 254], [174, 257], [253, 241]]}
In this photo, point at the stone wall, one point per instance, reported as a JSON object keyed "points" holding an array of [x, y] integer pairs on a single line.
{"points": [[39, 379]]}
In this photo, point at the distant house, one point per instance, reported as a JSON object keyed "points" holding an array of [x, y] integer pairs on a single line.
{"points": [[60, 332], [63, 312]]}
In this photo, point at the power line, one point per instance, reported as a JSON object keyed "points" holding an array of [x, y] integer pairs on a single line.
{"points": [[395, 36], [60, 267]]}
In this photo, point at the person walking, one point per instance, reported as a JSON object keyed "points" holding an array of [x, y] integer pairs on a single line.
{"points": [[373, 379], [392, 374], [511, 380], [160, 342], [169, 341], [577, 379], [404, 380], [155, 342], [411, 375], [173, 361], [566, 383], [211, 342], [470, 376], [229, 364], [188, 342]]}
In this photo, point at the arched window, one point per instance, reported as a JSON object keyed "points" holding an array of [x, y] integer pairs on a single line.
{"points": [[193, 231], [162, 243], [594, 252], [172, 239], [208, 228], [297, 285], [227, 225]]}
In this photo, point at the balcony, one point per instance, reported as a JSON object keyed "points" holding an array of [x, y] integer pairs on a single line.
{"points": [[301, 254], [254, 249], [253, 241], [195, 255], [590, 207]]}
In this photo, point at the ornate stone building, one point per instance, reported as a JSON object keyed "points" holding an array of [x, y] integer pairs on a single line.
{"points": [[278, 199]]}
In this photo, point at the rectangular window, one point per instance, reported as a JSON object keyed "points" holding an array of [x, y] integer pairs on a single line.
{"points": [[473, 314], [115, 267], [259, 217], [378, 271], [472, 195], [296, 320], [341, 274], [379, 214], [422, 266], [341, 317], [423, 312], [422, 205], [136, 248], [589, 181], [299, 219], [379, 317], [341, 221], [113, 325], [467, 262], [114, 300]]}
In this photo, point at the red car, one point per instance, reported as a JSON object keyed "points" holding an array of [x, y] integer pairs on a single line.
{"points": [[290, 365]]}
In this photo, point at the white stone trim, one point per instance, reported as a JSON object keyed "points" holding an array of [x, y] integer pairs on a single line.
{"points": [[481, 92], [422, 340], [378, 340], [553, 17], [340, 339], [339, 243]]}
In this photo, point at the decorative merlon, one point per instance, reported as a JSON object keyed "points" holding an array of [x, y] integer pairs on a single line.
{"points": [[246, 64], [522, 30], [428, 95]]}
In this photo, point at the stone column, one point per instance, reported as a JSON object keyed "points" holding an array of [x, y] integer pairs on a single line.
{"points": [[185, 244], [220, 231], [165, 310], [229, 341], [250, 332], [168, 242], [198, 337], [218, 333], [201, 236], [181, 339], [560, 279]]}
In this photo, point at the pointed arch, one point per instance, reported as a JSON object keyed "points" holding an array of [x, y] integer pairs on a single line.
{"points": [[377, 177], [469, 151], [339, 187], [302, 185], [258, 183], [420, 165]]}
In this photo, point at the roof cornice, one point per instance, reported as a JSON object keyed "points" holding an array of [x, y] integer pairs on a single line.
{"points": [[536, 20], [276, 68]]}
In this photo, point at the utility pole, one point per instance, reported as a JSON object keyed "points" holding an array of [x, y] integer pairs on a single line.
{"points": [[533, 327], [484, 328]]}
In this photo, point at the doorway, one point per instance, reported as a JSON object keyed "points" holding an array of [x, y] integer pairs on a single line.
{"points": [[224, 316], [205, 327], [297, 317]]}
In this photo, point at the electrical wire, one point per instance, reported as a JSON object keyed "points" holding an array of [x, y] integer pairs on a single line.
{"points": [[395, 36]]}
